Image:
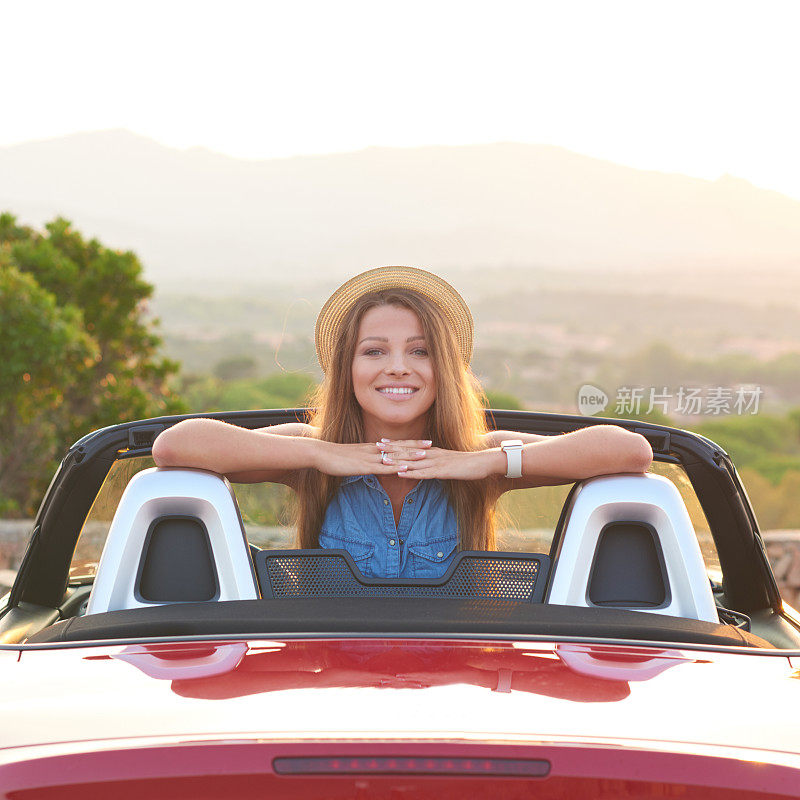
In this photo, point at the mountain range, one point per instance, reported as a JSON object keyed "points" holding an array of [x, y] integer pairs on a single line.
{"points": [[199, 219]]}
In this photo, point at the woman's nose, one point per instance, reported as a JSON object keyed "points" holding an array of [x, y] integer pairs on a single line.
{"points": [[397, 364]]}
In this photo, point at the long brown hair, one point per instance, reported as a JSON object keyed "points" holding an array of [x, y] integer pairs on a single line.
{"points": [[456, 420]]}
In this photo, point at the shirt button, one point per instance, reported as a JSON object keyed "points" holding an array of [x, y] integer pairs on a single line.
{"points": [[439, 555], [391, 542], [386, 502], [402, 541], [410, 500]]}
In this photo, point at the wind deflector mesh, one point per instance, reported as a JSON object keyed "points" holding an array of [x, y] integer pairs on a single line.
{"points": [[332, 573]]}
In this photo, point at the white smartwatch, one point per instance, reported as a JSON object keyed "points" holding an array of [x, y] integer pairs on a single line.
{"points": [[513, 450]]}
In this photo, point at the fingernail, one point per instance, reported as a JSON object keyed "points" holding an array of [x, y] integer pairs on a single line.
{"points": [[380, 444], [427, 441], [419, 452], [385, 440], [402, 469]]}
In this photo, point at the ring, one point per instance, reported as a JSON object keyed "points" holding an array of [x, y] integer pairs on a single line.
{"points": [[383, 457]]}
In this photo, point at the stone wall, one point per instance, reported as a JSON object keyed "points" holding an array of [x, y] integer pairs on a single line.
{"points": [[14, 535], [783, 549]]}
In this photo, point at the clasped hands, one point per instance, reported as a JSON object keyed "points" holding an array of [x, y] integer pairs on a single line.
{"points": [[411, 458]]}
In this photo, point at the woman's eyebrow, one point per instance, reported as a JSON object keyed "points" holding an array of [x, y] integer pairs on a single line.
{"points": [[384, 339]]}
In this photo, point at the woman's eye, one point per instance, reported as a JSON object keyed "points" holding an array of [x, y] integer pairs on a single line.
{"points": [[376, 351]]}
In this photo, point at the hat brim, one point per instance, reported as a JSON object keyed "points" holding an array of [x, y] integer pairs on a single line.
{"points": [[431, 286]]}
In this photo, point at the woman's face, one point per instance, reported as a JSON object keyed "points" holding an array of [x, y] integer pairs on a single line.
{"points": [[393, 376]]}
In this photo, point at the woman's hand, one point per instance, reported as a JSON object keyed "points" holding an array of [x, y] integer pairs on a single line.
{"points": [[404, 449], [365, 459], [547, 460], [455, 464]]}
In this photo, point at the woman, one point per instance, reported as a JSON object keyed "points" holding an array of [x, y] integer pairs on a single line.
{"points": [[396, 464]]}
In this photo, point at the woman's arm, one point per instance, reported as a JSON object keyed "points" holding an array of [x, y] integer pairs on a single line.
{"points": [[596, 450], [585, 453], [251, 456], [242, 455], [493, 438], [261, 476]]}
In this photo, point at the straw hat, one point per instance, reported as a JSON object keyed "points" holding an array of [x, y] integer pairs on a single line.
{"points": [[452, 305]]}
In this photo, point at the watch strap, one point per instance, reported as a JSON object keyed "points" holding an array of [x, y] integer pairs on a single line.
{"points": [[513, 450]]}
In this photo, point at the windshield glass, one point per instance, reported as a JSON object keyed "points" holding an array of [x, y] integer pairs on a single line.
{"points": [[98, 521], [527, 517], [678, 476]]}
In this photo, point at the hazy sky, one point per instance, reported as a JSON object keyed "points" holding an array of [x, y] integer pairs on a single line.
{"points": [[697, 87]]}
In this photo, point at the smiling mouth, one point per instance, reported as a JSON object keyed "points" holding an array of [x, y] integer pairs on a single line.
{"points": [[397, 391]]}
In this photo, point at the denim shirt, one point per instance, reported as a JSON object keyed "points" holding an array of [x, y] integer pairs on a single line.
{"points": [[360, 519]]}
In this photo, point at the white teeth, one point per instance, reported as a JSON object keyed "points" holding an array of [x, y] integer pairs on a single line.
{"points": [[399, 390]]}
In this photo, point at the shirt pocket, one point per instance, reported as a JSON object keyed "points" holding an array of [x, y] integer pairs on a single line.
{"points": [[360, 550], [431, 559]]}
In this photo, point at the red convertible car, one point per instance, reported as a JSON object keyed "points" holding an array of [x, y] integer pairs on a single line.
{"points": [[627, 639]]}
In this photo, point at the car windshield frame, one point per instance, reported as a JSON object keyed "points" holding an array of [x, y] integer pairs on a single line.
{"points": [[748, 583]]}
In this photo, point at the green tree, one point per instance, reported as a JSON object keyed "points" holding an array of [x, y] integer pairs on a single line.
{"points": [[280, 390], [504, 400], [236, 368], [78, 351], [767, 444]]}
